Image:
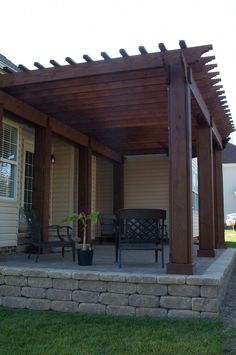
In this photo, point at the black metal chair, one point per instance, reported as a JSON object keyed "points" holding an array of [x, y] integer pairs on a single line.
{"points": [[107, 226], [140, 229], [62, 235]]}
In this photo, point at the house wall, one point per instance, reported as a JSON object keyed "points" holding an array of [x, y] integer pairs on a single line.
{"points": [[62, 190], [9, 208], [104, 186], [229, 184], [146, 184]]}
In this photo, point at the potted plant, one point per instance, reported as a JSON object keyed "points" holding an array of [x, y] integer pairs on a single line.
{"points": [[85, 253]]}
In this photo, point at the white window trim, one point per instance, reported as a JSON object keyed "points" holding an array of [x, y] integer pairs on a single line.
{"points": [[16, 163]]}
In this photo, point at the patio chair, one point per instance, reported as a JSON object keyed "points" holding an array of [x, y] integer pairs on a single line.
{"points": [[140, 229], [62, 235], [107, 226]]}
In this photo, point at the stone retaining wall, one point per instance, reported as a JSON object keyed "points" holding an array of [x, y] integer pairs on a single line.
{"points": [[172, 296]]}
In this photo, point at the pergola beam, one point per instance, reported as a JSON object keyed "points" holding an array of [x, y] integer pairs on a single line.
{"points": [[38, 118], [209, 120], [117, 65]]}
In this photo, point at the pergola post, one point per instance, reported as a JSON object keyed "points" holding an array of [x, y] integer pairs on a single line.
{"points": [[85, 183], [219, 200], [1, 118], [43, 140], [206, 192], [180, 157], [118, 186]]}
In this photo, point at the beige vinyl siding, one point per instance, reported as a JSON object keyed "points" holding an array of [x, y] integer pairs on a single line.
{"points": [[93, 194], [195, 224], [9, 209], [104, 186], [62, 180], [146, 182]]}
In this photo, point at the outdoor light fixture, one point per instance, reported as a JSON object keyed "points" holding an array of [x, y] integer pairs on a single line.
{"points": [[235, 193], [53, 160]]}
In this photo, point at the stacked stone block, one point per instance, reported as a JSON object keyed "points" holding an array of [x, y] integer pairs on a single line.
{"points": [[173, 296]]}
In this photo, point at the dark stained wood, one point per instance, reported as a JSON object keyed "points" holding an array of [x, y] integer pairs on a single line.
{"points": [[142, 50], [38, 65], [23, 110], [162, 47], [67, 132], [85, 184], [82, 70], [206, 192], [206, 114], [106, 95], [118, 186], [105, 55], [1, 119], [70, 60], [37, 93], [8, 70], [90, 84], [147, 151], [123, 53], [23, 67], [136, 100], [104, 151], [88, 125], [210, 66], [54, 63], [34, 116], [180, 157], [43, 137], [219, 200], [182, 44], [87, 58]]}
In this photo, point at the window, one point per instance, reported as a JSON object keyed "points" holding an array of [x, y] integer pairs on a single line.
{"points": [[8, 160], [29, 176]]}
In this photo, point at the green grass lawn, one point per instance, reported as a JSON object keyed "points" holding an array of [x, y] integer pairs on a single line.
{"points": [[47, 333], [230, 238]]}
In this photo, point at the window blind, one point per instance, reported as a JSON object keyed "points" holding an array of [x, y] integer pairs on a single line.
{"points": [[8, 160]]}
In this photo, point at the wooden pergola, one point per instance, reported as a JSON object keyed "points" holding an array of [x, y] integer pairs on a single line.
{"points": [[164, 102]]}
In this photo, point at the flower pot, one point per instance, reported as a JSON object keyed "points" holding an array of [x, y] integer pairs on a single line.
{"points": [[85, 257]]}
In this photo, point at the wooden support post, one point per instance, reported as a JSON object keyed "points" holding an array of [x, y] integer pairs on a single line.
{"points": [[43, 138], [118, 186], [206, 192], [1, 119], [180, 155], [219, 200], [85, 184]]}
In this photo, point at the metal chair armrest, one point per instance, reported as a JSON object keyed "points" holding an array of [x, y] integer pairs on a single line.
{"points": [[68, 233]]}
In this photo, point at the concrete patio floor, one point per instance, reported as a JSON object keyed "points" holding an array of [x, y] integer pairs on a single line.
{"points": [[141, 262]]}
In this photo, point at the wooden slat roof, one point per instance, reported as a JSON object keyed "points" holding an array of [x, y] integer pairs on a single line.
{"points": [[121, 102]]}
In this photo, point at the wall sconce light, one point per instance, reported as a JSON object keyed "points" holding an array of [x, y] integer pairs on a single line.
{"points": [[53, 160], [235, 193]]}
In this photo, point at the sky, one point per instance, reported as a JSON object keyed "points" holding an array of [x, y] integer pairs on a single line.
{"points": [[54, 29]]}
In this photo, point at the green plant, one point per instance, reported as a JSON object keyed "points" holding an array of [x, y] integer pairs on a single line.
{"points": [[84, 219]]}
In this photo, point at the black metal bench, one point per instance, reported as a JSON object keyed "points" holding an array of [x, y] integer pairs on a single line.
{"points": [[140, 229]]}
